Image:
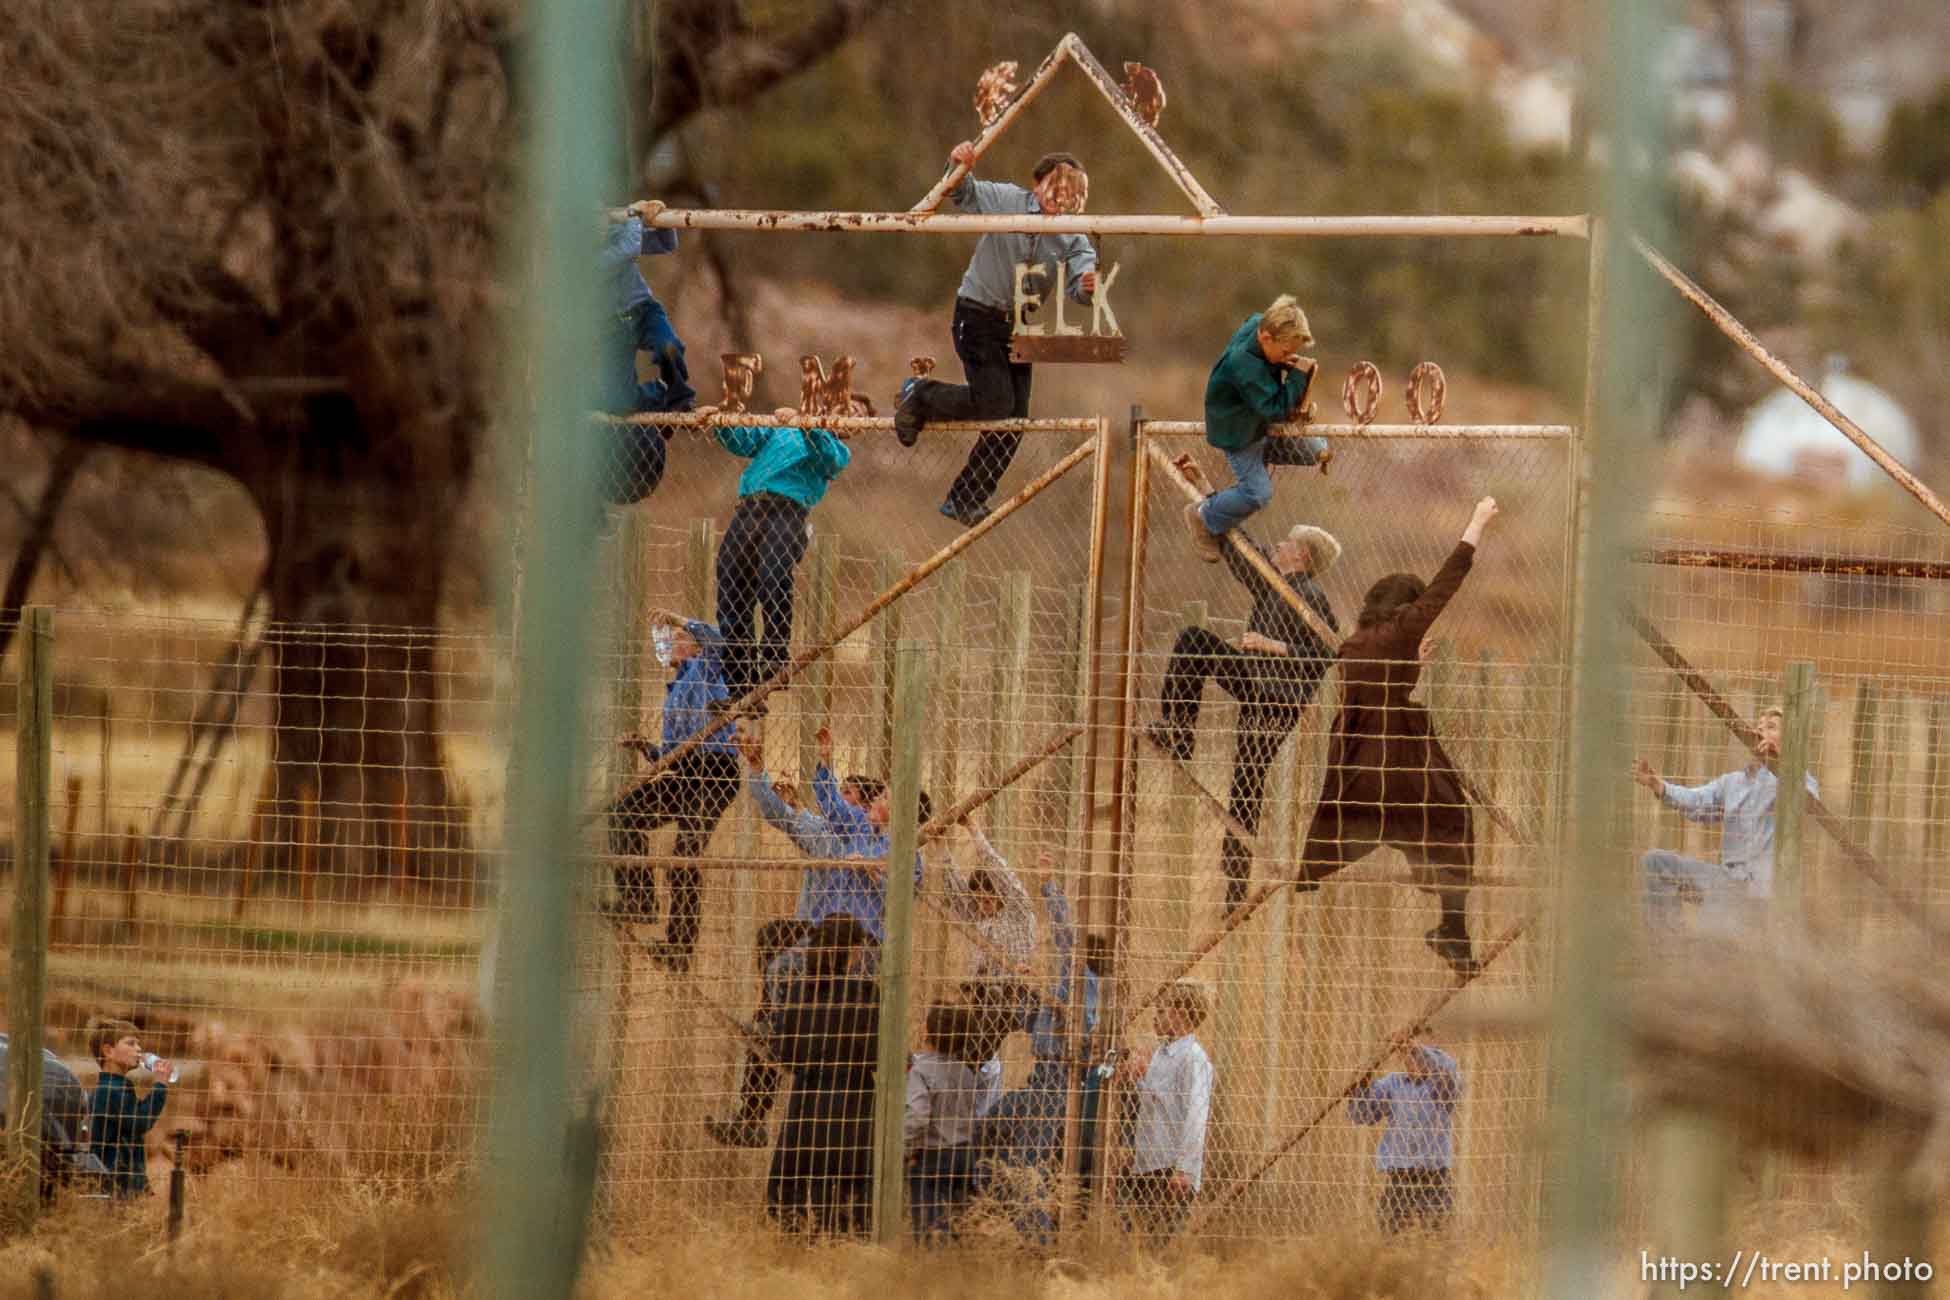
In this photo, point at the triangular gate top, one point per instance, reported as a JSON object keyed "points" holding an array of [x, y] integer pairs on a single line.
{"points": [[1072, 50]]}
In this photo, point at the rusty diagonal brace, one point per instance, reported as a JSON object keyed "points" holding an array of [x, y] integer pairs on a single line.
{"points": [[1395, 1041], [910, 580], [1858, 857], [1278, 582]]}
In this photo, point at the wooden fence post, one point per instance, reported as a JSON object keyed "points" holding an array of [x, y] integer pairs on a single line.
{"points": [[1791, 800], [64, 860], [1014, 605], [910, 714], [817, 610], [1693, 1167], [1862, 779], [27, 962], [950, 633], [886, 637], [1278, 835], [1183, 838]]}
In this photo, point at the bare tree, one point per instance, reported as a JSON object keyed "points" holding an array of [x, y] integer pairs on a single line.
{"points": [[260, 236]]}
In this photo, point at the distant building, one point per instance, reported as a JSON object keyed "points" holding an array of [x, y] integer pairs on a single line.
{"points": [[1784, 436]]}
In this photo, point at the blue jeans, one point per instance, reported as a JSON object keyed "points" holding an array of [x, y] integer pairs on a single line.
{"points": [[656, 335], [1252, 487], [938, 1181], [1669, 876]]}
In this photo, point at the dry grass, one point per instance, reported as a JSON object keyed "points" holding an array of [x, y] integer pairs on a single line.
{"points": [[248, 1235]]}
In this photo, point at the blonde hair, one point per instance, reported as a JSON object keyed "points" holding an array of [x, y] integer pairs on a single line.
{"points": [[106, 1031], [1322, 546], [1286, 322], [1188, 997]]}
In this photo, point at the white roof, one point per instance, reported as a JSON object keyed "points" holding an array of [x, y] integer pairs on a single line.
{"points": [[1781, 428]]}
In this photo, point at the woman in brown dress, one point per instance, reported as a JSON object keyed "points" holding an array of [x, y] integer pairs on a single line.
{"points": [[1388, 780]]}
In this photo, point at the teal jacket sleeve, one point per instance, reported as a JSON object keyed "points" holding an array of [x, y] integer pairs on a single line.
{"points": [[829, 454], [743, 439]]}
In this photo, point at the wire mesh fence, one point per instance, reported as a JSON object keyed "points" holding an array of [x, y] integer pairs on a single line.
{"points": [[277, 848]]}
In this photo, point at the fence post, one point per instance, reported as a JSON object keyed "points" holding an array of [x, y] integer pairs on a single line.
{"points": [[886, 636], [1185, 840], [27, 965], [1693, 1168], [1279, 836], [910, 712], [1791, 799], [818, 606], [1862, 776], [1013, 607], [950, 633], [1936, 796]]}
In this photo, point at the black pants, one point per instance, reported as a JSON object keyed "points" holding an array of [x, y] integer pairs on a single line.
{"points": [[693, 792], [997, 389], [761, 549], [1150, 1203], [1415, 1198], [1267, 715]]}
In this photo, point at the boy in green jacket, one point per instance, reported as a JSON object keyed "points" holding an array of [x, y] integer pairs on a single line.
{"points": [[1260, 379]]}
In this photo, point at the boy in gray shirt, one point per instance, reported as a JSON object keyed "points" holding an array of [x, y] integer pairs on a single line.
{"points": [[998, 388]]}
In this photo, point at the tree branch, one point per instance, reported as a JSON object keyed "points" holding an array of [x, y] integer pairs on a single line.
{"points": [[711, 61], [40, 534]]}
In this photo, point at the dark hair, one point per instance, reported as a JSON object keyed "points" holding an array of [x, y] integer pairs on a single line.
{"points": [[1049, 162], [982, 881], [832, 944], [996, 1009], [106, 1031], [774, 937], [869, 789], [950, 1028], [1389, 596], [924, 809], [1096, 955]]}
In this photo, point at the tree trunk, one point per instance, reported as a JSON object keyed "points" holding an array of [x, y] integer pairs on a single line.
{"points": [[358, 540]]}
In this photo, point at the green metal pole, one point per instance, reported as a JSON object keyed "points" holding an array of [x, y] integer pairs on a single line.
{"points": [[896, 955], [537, 1195], [27, 968], [1580, 1257]]}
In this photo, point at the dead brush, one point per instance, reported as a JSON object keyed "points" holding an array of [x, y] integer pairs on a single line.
{"points": [[1802, 1044]]}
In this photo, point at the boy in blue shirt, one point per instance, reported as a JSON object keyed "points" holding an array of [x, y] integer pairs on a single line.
{"points": [[1259, 379], [693, 792], [789, 472], [118, 1120], [1419, 1107], [638, 323]]}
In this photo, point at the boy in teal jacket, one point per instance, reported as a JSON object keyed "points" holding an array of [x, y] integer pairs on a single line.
{"points": [[1260, 379], [789, 472]]}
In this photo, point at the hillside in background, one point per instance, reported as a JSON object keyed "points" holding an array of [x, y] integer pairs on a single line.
{"points": [[1337, 106]]}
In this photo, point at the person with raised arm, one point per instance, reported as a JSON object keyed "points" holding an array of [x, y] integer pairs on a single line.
{"points": [[1389, 781]]}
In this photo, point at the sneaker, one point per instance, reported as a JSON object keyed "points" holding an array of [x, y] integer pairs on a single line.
{"points": [[1203, 541], [1454, 949], [1176, 741], [735, 1133], [907, 414], [966, 516], [670, 956]]}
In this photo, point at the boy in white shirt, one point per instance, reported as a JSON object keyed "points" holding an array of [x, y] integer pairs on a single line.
{"points": [[940, 1122], [1173, 1087]]}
